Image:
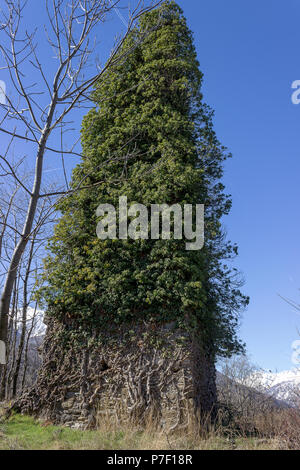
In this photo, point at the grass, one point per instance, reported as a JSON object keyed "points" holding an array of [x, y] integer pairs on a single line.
{"points": [[24, 433]]}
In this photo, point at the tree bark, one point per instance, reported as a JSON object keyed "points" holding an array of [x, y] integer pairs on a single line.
{"points": [[204, 381], [23, 329], [21, 245]]}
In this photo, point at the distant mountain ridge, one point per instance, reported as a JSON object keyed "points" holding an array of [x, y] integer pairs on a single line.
{"points": [[283, 385]]}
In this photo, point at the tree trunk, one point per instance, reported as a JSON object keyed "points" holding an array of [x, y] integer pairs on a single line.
{"points": [[24, 325], [21, 245], [204, 381]]}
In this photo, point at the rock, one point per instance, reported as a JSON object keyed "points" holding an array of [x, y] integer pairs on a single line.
{"points": [[68, 404]]}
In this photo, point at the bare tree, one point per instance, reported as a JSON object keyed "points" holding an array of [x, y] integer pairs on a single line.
{"points": [[23, 313], [37, 113], [291, 302], [244, 393], [27, 275]]}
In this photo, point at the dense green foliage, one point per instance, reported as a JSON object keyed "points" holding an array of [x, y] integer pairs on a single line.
{"points": [[149, 137]]}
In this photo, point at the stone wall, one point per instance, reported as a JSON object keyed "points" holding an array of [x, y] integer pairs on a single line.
{"points": [[132, 380]]}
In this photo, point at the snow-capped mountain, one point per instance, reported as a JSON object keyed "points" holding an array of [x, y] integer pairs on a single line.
{"points": [[284, 386], [39, 327], [34, 323]]}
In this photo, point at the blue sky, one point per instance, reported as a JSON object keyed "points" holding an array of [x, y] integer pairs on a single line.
{"points": [[248, 53]]}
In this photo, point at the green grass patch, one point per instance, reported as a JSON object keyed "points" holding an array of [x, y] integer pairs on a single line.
{"points": [[25, 433]]}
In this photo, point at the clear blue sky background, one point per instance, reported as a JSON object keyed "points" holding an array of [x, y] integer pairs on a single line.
{"points": [[248, 52]]}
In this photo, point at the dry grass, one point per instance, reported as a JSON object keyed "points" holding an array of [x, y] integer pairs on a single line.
{"points": [[22, 432], [275, 430]]}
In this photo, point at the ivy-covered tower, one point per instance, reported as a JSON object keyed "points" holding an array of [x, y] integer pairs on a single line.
{"points": [[149, 138]]}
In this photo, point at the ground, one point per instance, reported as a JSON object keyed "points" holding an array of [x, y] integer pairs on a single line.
{"points": [[24, 433]]}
